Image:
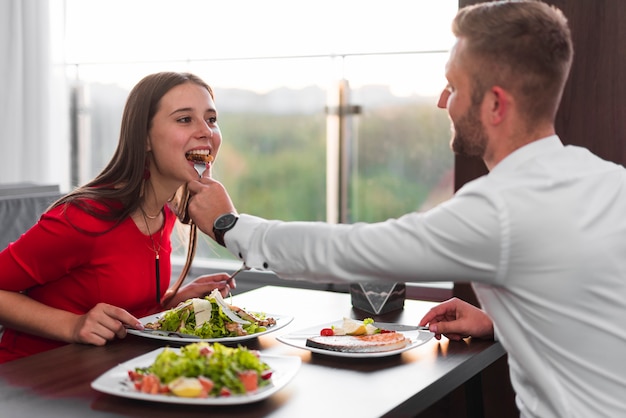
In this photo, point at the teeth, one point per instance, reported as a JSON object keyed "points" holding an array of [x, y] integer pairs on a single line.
{"points": [[199, 155], [199, 152]]}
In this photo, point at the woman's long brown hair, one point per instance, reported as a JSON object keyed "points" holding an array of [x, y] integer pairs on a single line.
{"points": [[120, 185]]}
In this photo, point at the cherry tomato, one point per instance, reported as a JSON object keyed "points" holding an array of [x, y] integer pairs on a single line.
{"points": [[327, 332]]}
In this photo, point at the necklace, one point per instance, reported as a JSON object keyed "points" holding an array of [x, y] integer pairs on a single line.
{"points": [[148, 216], [157, 261]]}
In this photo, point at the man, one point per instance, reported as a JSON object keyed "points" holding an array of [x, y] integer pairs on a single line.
{"points": [[541, 236]]}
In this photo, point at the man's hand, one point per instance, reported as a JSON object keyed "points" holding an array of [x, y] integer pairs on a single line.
{"points": [[457, 319], [208, 201]]}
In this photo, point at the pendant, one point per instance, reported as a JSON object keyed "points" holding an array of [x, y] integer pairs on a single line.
{"points": [[157, 269]]}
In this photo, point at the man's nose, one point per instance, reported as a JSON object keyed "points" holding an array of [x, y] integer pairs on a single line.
{"points": [[443, 99]]}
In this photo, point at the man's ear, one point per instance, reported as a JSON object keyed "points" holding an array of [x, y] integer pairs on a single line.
{"points": [[498, 104]]}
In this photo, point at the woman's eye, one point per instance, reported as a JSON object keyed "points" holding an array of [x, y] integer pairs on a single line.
{"points": [[185, 119], [212, 120]]}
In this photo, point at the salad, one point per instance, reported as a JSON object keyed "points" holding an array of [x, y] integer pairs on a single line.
{"points": [[211, 317], [203, 370]]}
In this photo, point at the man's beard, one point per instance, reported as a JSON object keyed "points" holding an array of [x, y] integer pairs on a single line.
{"points": [[468, 135]]}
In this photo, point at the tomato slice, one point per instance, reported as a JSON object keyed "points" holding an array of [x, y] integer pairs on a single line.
{"points": [[249, 379], [207, 384]]}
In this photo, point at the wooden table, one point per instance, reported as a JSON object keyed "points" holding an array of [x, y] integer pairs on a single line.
{"points": [[57, 383]]}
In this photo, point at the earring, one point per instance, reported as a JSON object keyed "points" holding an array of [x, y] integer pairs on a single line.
{"points": [[146, 171], [146, 177]]}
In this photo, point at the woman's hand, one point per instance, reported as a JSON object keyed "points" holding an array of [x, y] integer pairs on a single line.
{"points": [[457, 319], [202, 286], [103, 323]]}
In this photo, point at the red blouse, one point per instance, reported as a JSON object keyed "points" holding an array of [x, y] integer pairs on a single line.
{"points": [[71, 260]]}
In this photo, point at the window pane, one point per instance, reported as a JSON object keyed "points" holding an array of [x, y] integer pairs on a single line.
{"points": [[401, 160], [272, 110]]}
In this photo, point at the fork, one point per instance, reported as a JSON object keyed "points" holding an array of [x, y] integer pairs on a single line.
{"points": [[164, 333], [200, 167], [171, 292], [232, 276]]}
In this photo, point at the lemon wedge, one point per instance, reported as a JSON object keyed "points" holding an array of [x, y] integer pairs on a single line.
{"points": [[186, 387], [370, 329], [352, 327]]}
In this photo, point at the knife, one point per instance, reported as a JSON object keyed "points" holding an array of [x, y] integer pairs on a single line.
{"points": [[399, 327], [389, 326]]}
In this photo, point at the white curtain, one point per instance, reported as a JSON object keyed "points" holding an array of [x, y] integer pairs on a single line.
{"points": [[34, 104]]}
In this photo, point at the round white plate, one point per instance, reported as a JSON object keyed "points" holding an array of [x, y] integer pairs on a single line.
{"points": [[281, 321], [298, 339]]}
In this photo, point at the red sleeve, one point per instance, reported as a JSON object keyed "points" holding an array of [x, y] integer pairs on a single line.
{"points": [[61, 240], [13, 276]]}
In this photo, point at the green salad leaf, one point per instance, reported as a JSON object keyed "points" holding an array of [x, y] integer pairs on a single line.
{"points": [[215, 361], [182, 319]]}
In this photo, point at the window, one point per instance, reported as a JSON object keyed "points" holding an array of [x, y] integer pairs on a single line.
{"points": [[277, 68]]}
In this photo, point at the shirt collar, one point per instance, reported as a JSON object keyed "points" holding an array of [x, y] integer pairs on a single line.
{"points": [[528, 152]]}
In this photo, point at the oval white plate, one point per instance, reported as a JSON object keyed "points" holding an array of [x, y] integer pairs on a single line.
{"points": [[116, 382]]}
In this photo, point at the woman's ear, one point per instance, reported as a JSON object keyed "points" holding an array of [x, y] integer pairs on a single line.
{"points": [[148, 144]]}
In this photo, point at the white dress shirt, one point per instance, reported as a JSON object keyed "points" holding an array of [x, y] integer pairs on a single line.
{"points": [[543, 239]]}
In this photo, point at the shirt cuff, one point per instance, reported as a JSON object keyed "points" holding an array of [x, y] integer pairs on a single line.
{"points": [[238, 240]]}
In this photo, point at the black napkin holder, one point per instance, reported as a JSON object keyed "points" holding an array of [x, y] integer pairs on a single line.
{"points": [[378, 298]]}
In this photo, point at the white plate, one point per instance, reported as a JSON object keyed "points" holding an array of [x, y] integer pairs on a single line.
{"points": [[298, 339], [281, 321], [116, 382]]}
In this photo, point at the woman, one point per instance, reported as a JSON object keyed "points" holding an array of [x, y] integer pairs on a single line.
{"points": [[99, 258]]}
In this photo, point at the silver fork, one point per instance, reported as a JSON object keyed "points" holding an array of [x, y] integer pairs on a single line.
{"points": [[232, 276], [164, 333], [200, 167]]}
